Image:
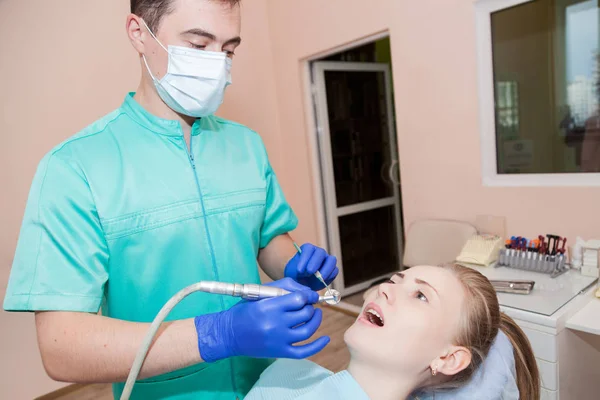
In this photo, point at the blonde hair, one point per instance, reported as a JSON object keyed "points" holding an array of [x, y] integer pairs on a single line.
{"points": [[480, 323]]}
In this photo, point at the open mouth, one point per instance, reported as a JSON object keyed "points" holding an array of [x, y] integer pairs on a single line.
{"points": [[373, 315]]}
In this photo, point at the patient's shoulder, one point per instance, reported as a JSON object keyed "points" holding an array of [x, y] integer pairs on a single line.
{"points": [[296, 369], [287, 380]]}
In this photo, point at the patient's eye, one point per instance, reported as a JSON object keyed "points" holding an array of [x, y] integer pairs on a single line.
{"points": [[421, 296], [390, 281]]}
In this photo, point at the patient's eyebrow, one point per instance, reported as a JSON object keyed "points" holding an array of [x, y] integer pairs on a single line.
{"points": [[419, 281], [422, 282]]}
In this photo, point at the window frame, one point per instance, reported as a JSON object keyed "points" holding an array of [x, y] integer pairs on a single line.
{"points": [[487, 112]]}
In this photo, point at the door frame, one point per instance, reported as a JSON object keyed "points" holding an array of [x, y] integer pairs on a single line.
{"points": [[312, 128], [324, 220]]}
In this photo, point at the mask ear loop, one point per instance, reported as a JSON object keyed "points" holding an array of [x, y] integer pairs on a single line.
{"points": [[144, 56], [152, 34]]}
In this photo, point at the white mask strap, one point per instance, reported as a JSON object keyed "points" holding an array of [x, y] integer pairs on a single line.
{"points": [[148, 68], [144, 56], [155, 38]]}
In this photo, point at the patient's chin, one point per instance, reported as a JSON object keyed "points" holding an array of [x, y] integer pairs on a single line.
{"points": [[361, 339], [352, 336]]}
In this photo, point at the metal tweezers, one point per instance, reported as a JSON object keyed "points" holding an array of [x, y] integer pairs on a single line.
{"points": [[517, 287]]}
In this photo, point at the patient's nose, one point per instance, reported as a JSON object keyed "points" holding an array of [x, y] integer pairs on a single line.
{"points": [[387, 292]]}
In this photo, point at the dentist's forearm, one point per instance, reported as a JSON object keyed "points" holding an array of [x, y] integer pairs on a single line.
{"points": [[273, 258], [88, 348]]}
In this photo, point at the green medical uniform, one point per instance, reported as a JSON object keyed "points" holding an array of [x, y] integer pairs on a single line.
{"points": [[122, 216]]}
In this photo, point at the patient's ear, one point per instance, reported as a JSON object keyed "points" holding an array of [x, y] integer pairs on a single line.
{"points": [[456, 359]]}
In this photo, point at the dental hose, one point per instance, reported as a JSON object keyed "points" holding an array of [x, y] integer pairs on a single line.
{"points": [[245, 291]]}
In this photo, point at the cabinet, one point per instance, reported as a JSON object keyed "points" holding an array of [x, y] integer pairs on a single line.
{"points": [[552, 318]]}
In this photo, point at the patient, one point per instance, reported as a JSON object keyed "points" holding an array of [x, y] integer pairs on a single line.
{"points": [[427, 330]]}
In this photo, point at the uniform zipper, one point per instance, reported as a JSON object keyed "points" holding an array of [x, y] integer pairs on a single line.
{"points": [[190, 154], [208, 237]]}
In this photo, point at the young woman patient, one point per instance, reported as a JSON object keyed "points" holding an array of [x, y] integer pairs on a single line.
{"points": [[427, 328]]}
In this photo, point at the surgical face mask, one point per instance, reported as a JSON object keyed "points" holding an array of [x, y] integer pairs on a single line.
{"points": [[195, 82]]}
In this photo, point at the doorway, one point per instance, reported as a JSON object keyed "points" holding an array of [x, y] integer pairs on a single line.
{"points": [[352, 99]]}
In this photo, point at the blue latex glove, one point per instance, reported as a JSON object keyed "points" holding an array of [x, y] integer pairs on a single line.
{"points": [[303, 265], [263, 329]]}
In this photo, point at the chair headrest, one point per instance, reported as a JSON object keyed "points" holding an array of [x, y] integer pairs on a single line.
{"points": [[495, 379]]}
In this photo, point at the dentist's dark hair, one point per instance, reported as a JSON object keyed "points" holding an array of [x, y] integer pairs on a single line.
{"points": [[152, 11]]}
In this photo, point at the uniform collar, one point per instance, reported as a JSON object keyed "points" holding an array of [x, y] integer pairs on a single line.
{"points": [[151, 122]]}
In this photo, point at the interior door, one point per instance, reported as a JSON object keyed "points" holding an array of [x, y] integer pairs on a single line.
{"points": [[359, 165]]}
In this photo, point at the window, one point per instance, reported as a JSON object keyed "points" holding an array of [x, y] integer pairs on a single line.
{"points": [[507, 109], [539, 88], [581, 59]]}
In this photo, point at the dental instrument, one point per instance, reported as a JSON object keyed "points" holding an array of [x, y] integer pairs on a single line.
{"points": [[251, 292], [320, 278], [513, 286], [317, 274], [330, 293]]}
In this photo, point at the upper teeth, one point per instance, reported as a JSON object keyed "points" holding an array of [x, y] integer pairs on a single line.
{"points": [[375, 313]]}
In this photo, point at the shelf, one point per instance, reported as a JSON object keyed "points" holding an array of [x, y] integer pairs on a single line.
{"points": [[587, 319]]}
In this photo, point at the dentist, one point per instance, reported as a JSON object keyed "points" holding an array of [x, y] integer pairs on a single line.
{"points": [[153, 197]]}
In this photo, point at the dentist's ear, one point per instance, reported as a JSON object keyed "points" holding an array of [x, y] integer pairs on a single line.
{"points": [[456, 359], [136, 32]]}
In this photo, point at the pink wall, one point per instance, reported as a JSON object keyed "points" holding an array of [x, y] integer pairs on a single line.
{"points": [[434, 67], [65, 63]]}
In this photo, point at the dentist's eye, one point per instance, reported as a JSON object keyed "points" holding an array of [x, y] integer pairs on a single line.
{"points": [[422, 297], [197, 46]]}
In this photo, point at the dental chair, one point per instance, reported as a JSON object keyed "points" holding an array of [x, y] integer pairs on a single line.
{"points": [[495, 379], [435, 241]]}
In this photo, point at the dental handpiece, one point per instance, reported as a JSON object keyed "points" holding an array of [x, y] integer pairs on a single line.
{"points": [[245, 291], [250, 291]]}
